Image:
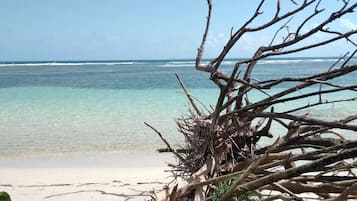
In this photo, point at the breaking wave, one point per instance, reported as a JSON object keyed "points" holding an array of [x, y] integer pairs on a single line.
{"points": [[67, 63]]}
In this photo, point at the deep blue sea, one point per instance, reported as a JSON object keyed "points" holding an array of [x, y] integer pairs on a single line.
{"points": [[100, 106]]}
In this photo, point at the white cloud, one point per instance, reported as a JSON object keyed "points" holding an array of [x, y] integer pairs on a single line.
{"points": [[221, 35], [348, 24], [217, 40]]}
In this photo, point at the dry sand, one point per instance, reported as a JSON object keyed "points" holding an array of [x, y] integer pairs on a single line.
{"points": [[88, 178]]}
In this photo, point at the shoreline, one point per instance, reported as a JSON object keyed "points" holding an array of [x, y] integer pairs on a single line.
{"points": [[88, 160], [82, 177]]}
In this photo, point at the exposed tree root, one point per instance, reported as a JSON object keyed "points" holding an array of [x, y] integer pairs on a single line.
{"points": [[223, 159]]}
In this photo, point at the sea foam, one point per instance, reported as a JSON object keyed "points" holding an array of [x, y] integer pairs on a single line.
{"points": [[67, 63]]}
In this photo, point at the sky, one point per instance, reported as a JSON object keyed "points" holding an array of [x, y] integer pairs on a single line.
{"points": [[54, 30]]}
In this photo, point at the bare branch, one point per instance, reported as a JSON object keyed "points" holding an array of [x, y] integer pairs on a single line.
{"points": [[189, 97], [165, 141], [201, 48], [305, 120]]}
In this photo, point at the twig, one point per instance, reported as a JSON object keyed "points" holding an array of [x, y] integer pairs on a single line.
{"points": [[165, 141], [189, 97]]}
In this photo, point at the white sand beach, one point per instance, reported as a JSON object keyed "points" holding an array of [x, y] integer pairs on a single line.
{"points": [[42, 180]]}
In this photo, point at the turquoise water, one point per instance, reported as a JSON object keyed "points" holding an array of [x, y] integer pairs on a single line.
{"points": [[79, 107], [58, 119]]}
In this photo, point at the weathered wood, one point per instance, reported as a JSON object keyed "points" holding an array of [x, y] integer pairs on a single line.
{"points": [[223, 157]]}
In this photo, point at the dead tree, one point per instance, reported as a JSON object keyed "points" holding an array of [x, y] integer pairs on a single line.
{"points": [[222, 158]]}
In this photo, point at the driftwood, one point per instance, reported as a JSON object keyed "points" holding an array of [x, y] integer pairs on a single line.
{"points": [[223, 158]]}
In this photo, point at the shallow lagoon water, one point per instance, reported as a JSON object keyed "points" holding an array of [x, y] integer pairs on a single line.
{"points": [[51, 108]]}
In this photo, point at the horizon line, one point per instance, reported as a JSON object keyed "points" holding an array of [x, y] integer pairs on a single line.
{"points": [[163, 59]]}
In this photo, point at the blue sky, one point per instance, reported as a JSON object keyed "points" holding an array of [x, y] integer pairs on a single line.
{"points": [[131, 29]]}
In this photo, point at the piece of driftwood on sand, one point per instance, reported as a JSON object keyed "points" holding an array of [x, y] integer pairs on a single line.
{"points": [[223, 157]]}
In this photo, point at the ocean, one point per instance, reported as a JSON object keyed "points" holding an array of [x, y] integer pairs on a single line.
{"points": [[68, 107]]}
